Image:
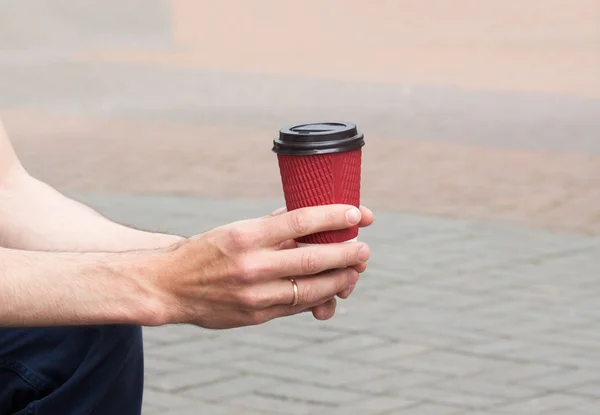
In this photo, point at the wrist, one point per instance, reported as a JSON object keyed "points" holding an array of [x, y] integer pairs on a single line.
{"points": [[160, 241], [138, 296], [153, 272]]}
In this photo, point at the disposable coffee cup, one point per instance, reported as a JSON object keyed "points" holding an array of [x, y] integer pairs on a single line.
{"points": [[320, 164]]}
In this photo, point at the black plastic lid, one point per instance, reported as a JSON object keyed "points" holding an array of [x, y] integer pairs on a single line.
{"points": [[318, 138]]}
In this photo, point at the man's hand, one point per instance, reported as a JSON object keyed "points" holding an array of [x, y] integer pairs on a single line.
{"points": [[327, 310], [238, 274], [234, 275]]}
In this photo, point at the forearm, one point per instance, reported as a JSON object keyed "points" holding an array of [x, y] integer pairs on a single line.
{"points": [[34, 216], [54, 288]]}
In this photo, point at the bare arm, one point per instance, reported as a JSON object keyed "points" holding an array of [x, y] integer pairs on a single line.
{"points": [[74, 286], [231, 276], [34, 216], [56, 288]]}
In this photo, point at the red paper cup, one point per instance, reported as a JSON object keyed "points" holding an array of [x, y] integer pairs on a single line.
{"points": [[320, 164]]}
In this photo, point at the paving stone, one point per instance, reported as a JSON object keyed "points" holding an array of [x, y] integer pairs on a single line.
{"points": [[346, 345], [270, 342], [496, 348], [482, 412], [312, 394], [395, 384], [504, 372], [388, 353], [588, 389], [431, 409], [158, 366], [269, 404], [285, 328], [202, 408], [225, 389], [189, 378], [151, 410], [563, 381], [461, 399], [197, 356], [445, 363], [181, 349], [545, 404], [276, 370], [344, 374], [353, 373], [476, 386], [380, 405], [310, 362], [164, 400], [588, 408]]}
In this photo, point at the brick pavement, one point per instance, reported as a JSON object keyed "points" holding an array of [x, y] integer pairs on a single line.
{"points": [[453, 317]]}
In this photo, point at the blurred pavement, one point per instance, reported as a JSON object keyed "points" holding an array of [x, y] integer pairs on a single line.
{"points": [[482, 163]]}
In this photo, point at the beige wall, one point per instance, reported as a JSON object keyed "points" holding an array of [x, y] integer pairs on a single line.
{"points": [[510, 45]]}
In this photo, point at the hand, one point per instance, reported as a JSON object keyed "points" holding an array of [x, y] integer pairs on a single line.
{"points": [[238, 275], [327, 310]]}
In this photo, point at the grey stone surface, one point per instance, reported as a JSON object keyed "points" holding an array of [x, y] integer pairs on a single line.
{"points": [[466, 335]]}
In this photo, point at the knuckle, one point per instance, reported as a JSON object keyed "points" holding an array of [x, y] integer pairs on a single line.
{"points": [[247, 270], [306, 293], [298, 223], [351, 256], [249, 299], [332, 217], [309, 263], [258, 317], [238, 239]]}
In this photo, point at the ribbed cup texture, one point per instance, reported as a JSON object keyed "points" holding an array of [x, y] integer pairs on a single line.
{"points": [[322, 179]]}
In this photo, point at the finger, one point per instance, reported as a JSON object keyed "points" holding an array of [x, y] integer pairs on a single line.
{"points": [[277, 311], [306, 260], [367, 217], [360, 268], [289, 244], [306, 221], [325, 311], [311, 290], [346, 293]]}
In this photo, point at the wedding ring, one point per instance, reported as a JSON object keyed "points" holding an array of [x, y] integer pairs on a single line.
{"points": [[295, 302]]}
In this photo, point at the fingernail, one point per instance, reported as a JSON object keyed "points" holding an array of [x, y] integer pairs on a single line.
{"points": [[350, 289], [353, 216], [279, 211], [363, 253]]}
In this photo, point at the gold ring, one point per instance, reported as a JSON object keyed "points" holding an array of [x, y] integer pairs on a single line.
{"points": [[295, 302]]}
